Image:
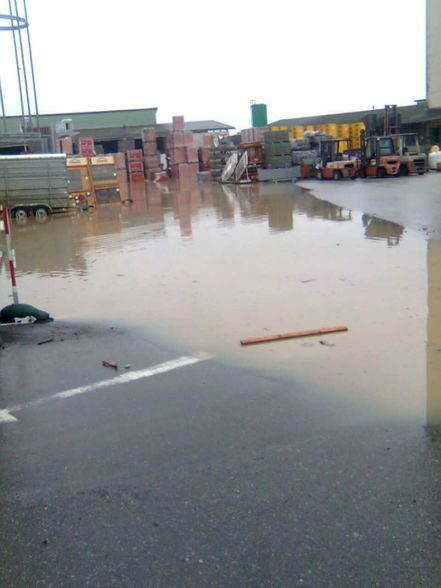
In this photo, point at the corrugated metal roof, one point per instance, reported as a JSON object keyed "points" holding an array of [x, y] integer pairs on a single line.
{"points": [[89, 120], [199, 126], [411, 114]]}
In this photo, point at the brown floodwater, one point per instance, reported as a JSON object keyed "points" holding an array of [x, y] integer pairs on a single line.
{"points": [[206, 265]]}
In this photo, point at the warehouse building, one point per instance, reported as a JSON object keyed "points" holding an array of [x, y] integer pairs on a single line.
{"points": [[416, 118], [113, 131]]}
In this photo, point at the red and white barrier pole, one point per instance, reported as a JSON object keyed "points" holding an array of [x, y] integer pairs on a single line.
{"points": [[10, 252]]}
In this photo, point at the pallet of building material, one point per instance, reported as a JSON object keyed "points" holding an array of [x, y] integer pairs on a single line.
{"points": [[67, 145], [206, 140], [134, 155], [309, 157], [175, 140], [184, 170], [120, 160], [301, 144], [191, 154], [188, 139], [86, 146], [136, 167], [253, 135], [136, 176], [149, 148], [204, 156], [277, 148], [276, 136], [152, 161], [149, 134], [278, 161], [121, 175], [178, 123], [177, 155]]}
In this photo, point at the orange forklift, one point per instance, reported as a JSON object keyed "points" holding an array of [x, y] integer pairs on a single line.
{"points": [[378, 157], [335, 161]]}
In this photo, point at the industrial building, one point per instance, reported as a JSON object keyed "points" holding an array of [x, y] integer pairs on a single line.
{"points": [[113, 131], [416, 118]]}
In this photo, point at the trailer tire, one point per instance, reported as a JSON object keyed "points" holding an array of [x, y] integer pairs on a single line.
{"points": [[337, 175], [381, 172], [20, 214], [40, 213]]}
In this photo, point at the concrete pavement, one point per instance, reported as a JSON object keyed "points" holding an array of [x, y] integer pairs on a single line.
{"points": [[412, 201], [202, 476]]}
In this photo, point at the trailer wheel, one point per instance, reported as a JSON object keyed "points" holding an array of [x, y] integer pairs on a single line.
{"points": [[381, 172], [337, 175], [20, 213], [40, 213]]}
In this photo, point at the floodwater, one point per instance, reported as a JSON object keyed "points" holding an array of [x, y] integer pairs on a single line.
{"points": [[205, 265]]}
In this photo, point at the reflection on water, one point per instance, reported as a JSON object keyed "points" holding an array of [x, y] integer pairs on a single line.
{"points": [[377, 228], [207, 265]]}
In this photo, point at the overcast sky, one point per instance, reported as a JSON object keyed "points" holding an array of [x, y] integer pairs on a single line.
{"points": [[208, 60]]}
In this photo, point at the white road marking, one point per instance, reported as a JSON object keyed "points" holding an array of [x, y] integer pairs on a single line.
{"points": [[5, 417], [173, 364]]}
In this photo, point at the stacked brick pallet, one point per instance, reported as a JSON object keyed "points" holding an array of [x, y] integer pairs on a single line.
{"points": [[204, 153], [120, 166], [152, 162], [66, 145], [219, 156], [253, 135], [135, 165], [183, 154], [86, 146], [277, 149]]}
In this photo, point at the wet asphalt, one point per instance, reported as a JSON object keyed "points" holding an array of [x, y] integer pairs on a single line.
{"points": [[206, 475], [209, 474]]}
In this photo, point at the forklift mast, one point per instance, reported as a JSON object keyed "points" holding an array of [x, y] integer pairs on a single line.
{"points": [[391, 123]]}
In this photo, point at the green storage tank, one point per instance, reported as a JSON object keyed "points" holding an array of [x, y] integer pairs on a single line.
{"points": [[259, 115]]}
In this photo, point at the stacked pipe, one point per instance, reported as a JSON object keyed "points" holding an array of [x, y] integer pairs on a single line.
{"points": [[183, 154], [135, 165], [152, 162]]}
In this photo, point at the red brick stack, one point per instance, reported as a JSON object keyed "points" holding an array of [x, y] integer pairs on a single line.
{"points": [[66, 145], [120, 166], [205, 152], [152, 163], [86, 146], [135, 165], [183, 154]]}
